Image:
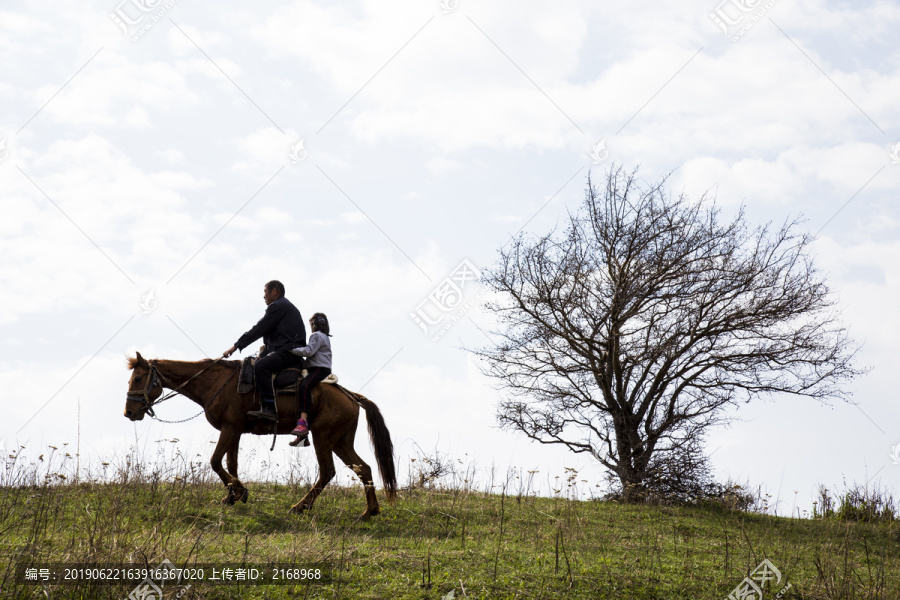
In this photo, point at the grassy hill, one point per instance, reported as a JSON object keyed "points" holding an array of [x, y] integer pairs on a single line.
{"points": [[431, 543]]}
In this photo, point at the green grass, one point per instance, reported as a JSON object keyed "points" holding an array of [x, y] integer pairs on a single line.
{"points": [[432, 541]]}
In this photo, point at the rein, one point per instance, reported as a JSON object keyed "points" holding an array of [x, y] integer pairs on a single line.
{"points": [[155, 379]]}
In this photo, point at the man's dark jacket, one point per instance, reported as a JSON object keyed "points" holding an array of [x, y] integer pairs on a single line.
{"points": [[281, 328]]}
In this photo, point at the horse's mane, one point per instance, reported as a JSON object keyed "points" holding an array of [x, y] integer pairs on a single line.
{"points": [[133, 362]]}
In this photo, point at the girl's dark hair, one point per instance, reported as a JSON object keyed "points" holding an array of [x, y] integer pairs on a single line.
{"points": [[320, 323]]}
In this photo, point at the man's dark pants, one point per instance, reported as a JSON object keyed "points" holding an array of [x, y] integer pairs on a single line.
{"points": [[271, 363]]}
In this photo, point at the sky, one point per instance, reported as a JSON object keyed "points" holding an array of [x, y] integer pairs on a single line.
{"points": [[161, 160]]}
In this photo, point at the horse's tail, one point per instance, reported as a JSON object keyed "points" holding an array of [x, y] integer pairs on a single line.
{"points": [[381, 443]]}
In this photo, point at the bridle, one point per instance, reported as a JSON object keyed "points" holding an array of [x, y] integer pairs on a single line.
{"points": [[143, 396], [155, 378]]}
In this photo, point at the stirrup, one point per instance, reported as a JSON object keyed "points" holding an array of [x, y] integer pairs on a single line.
{"points": [[269, 415]]}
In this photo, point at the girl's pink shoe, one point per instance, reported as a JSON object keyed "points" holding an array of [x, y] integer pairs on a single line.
{"points": [[302, 429]]}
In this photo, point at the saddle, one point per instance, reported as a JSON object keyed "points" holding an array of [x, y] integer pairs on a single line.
{"points": [[246, 380], [286, 381]]}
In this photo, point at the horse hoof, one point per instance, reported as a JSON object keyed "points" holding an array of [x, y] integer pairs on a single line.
{"points": [[242, 495], [297, 509], [229, 498]]}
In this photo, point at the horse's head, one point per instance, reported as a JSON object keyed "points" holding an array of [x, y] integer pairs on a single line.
{"points": [[144, 388]]}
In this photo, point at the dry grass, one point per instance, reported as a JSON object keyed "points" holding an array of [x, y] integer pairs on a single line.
{"points": [[435, 539]]}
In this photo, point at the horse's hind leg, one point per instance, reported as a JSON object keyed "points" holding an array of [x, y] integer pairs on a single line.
{"points": [[345, 451], [326, 473], [228, 443]]}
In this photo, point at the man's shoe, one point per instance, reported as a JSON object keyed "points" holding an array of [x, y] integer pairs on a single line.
{"points": [[267, 412]]}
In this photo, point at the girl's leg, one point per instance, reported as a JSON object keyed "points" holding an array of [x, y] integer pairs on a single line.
{"points": [[316, 374], [301, 430]]}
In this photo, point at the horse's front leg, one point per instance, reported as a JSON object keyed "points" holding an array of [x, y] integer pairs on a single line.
{"points": [[229, 439], [231, 459]]}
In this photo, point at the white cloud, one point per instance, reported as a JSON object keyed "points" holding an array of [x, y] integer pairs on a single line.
{"points": [[262, 151], [98, 197], [508, 218], [353, 217], [454, 88], [440, 166], [185, 39], [113, 91]]}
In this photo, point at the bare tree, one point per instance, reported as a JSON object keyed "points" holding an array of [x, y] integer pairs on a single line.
{"points": [[628, 333]]}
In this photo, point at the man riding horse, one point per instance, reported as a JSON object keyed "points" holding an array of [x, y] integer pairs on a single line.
{"points": [[281, 329]]}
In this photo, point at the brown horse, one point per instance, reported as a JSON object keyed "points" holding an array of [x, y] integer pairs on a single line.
{"points": [[334, 413]]}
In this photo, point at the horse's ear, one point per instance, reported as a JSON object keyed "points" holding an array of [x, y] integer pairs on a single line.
{"points": [[137, 361]]}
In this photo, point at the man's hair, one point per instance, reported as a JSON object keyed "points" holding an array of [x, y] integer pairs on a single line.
{"points": [[275, 285], [320, 321]]}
